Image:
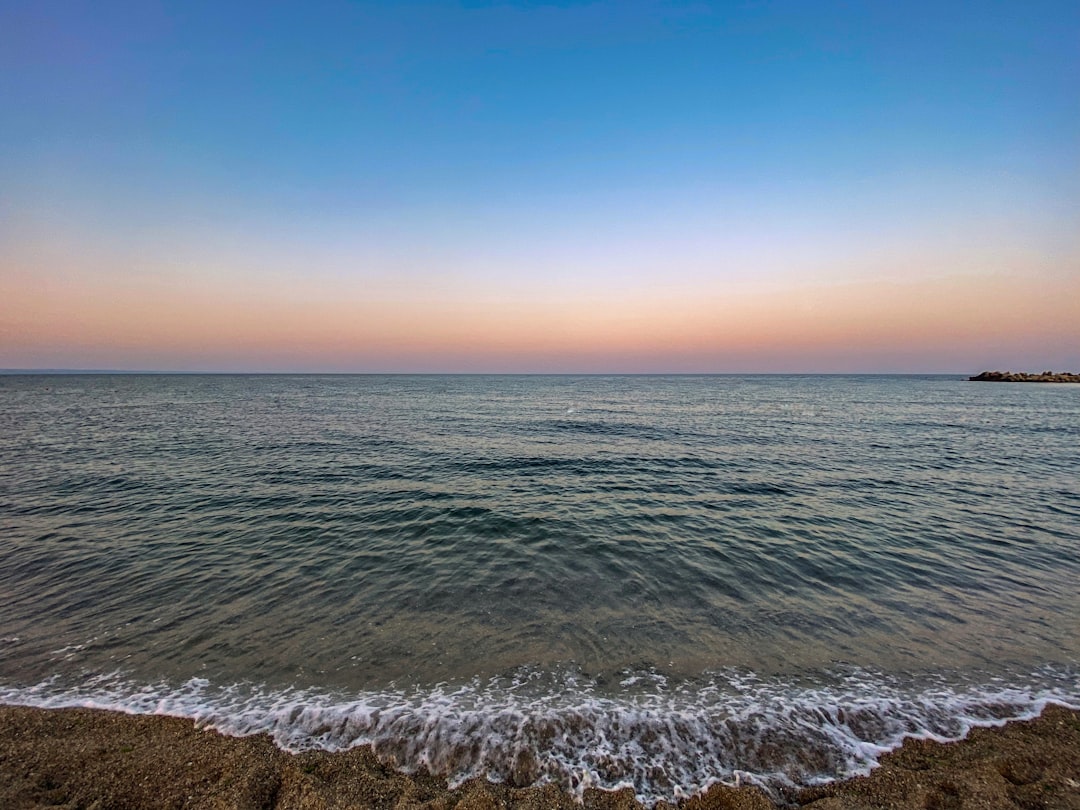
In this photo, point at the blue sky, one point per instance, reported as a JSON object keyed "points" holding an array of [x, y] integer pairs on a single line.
{"points": [[526, 154]]}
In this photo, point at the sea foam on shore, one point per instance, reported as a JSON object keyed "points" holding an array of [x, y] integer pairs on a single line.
{"points": [[85, 757], [664, 741]]}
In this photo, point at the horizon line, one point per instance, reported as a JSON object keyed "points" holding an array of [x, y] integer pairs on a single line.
{"points": [[164, 372]]}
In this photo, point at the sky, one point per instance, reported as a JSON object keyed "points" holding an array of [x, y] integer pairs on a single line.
{"points": [[540, 186]]}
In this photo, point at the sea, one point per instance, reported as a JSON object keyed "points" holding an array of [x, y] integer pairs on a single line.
{"points": [[660, 582]]}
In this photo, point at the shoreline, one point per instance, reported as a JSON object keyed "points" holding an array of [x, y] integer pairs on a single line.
{"points": [[79, 757]]}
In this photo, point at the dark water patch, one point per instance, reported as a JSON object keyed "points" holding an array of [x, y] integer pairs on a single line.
{"points": [[611, 429]]}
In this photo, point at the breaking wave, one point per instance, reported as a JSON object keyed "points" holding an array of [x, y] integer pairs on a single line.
{"points": [[664, 740]]}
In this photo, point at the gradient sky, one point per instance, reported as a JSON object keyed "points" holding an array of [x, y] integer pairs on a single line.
{"points": [[540, 187]]}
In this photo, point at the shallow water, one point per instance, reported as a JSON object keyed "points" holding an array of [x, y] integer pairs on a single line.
{"points": [[606, 573]]}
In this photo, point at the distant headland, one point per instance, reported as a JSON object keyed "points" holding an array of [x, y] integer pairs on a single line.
{"points": [[1014, 376]]}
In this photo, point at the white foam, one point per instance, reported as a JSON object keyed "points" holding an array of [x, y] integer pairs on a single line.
{"points": [[663, 741]]}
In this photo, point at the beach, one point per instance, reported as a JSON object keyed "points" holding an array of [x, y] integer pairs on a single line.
{"points": [[539, 404], [656, 584], [94, 758]]}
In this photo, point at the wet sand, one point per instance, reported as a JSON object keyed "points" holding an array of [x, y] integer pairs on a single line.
{"points": [[84, 758]]}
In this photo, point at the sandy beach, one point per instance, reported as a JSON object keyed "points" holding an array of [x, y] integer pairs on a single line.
{"points": [[85, 758]]}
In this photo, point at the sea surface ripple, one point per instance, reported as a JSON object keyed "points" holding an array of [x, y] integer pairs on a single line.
{"points": [[705, 562]]}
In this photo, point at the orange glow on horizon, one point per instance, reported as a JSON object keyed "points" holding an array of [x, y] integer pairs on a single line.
{"points": [[822, 327]]}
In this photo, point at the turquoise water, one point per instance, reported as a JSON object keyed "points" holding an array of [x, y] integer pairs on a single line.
{"points": [[590, 580]]}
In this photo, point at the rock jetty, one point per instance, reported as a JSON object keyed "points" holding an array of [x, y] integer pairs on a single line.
{"points": [[1015, 376]]}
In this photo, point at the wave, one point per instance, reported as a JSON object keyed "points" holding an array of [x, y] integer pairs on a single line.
{"points": [[665, 741]]}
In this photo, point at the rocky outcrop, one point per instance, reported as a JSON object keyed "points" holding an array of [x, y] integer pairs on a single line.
{"points": [[1015, 376]]}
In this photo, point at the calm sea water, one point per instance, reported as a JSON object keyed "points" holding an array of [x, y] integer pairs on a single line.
{"points": [[653, 581]]}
